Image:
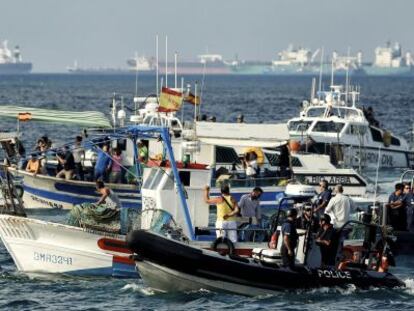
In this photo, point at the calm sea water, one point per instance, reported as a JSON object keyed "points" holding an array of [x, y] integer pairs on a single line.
{"points": [[260, 99]]}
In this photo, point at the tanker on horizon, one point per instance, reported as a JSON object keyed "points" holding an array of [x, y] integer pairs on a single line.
{"points": [[11, 62]]}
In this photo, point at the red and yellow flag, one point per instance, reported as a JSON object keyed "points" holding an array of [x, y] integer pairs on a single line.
{"points": [[170, 100], [24, 116], [192, 99]]}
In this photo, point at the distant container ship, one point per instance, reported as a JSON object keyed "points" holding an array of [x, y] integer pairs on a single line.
{"points": [[11, 61], [78, 70], [302, 61], [390, 61], [205, 64]]}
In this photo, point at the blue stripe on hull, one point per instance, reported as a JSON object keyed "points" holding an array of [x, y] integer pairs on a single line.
{"points": [[118, 270], [75, 199], [86, 189]]}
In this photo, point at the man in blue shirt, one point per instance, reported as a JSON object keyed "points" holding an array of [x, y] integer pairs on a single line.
{"points": [[103, 164], [290, 239], [324, 197]]}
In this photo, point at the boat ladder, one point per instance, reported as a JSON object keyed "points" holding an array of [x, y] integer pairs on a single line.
{"points": [[11, 200]]}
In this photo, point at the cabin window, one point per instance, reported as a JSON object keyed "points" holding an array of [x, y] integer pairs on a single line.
{"points": [[328, 127], [395, 141], [226, 155], [185, 177], [149, 179], [157, 178], [295, 162], [272, 158], [356, 129], [316, 112], [299, 126], [169, 184], [121, 144], [376, 135]]}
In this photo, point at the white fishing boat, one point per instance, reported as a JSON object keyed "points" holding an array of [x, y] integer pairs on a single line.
{"points": [[38, 246], [333, 124], [45, 247]]}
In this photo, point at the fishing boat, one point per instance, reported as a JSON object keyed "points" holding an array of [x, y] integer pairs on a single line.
{"points": [[93, 249], [332, 123]]}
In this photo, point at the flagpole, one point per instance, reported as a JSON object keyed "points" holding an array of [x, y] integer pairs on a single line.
{"points": [[182, 91], [175, 69], [195, 106], [157, 69], [166, 61]]}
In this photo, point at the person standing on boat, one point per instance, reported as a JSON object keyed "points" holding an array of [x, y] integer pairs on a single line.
{"points": [[290, 239], [323, 198], [103, 163], [397, 208], [67, 161], [78, 156], [142, 152], [339, 207], [116, 170], [410, 212], [108, 197], [325, 240], [308, 220], [249, 206], [227, 209]]}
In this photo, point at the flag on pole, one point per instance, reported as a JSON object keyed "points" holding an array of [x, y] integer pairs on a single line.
{"points": [[24, 116], [170, 100], [192, 99]]}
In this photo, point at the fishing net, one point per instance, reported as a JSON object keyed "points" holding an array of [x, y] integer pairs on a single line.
{"points": [[89, 215]]}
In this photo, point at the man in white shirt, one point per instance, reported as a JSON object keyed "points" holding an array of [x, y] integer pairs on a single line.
{"points": [[339, 207]]}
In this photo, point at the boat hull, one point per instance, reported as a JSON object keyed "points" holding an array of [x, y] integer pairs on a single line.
{"points": [[41, 191], [163, 279], [44, 247], [181, 262]]}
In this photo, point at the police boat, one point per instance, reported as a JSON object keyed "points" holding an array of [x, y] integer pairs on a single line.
{"points": [[169, 264]]}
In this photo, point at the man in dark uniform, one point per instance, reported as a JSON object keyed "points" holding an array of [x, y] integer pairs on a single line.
{"points": [[325, 240], [324, 197], [290, 239], [308, 220], [397, 208]]}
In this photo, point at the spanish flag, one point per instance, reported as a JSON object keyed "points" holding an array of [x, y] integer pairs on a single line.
{"points": [[170, 100], [24, 116], [192, 99]]}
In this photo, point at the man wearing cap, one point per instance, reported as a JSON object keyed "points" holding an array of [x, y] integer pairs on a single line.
{"points": [[290, 239], [324, 238], [307, 220]]}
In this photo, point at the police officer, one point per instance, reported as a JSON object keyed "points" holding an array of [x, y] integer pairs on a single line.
{"points": [[325, 240], [290, 239]]}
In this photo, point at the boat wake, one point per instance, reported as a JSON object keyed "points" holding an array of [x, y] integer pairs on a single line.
{"points": [[139, 288], [409, 289]]}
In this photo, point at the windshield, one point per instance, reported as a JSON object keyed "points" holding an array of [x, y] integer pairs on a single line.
{"points": [[299, 126], [328, 127]]}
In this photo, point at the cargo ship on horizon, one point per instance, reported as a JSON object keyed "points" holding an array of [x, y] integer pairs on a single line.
{"points": [[11, 62], [390, 61]]}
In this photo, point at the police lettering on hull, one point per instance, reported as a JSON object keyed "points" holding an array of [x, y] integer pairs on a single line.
{"points": [[334, 274]]}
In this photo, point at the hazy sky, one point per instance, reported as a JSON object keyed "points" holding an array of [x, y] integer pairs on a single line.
{"points": [[53, 33]]}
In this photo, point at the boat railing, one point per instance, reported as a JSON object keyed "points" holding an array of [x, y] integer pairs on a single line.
{"points": [[251, 182], [249, 233]]}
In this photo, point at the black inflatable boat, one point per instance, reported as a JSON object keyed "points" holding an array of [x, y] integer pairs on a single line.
{"points": [[169, 265]]}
